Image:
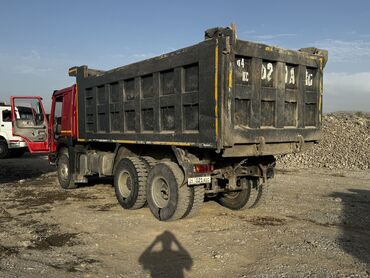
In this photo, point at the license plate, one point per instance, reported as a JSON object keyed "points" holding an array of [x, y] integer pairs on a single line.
{"points": [[199, 180]]}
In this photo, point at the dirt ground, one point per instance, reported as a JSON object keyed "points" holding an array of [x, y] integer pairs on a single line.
{"points": [[316, 223]]}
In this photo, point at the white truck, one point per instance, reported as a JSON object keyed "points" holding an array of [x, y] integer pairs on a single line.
{"points": [[10, 146]]}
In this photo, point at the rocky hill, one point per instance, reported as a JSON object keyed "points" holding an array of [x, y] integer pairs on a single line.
{"points": [[345, 144]]}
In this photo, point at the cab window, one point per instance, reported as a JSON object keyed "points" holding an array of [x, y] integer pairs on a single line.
{"points": [[7, 116], [58, 116], [29, 109]]}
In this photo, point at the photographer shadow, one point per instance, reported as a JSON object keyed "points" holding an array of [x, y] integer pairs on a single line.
{"points": [[168, 261], [355, 227]]}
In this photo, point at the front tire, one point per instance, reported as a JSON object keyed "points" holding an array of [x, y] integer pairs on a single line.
{"points": [[168, 198], [64, 173], [4, 150]]}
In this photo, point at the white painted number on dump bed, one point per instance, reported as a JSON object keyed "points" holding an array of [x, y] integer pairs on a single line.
{"points": [[289, 75], [309, 79], [267, 70], [240, 63], [267, 73], [245, 76]]}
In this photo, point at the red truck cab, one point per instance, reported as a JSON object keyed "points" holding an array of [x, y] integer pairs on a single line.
{"points": [[63, 120], [41, 134]]}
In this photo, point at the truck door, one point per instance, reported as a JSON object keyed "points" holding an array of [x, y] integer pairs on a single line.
{"points": [[6, 122], [30, 122], [62, 119]]}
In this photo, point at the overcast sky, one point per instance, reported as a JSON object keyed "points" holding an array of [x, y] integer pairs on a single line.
{"points": [[40, 40]]}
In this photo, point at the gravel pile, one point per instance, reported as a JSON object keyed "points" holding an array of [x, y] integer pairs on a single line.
{"points": [[345, 144]]}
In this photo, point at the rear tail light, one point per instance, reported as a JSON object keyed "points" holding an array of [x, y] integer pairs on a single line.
{"points": [[203, 168], [13, 141]]}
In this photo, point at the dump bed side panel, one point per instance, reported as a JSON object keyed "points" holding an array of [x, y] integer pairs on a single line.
{"points": [[220, 93], [272, 95], [165, 100]]}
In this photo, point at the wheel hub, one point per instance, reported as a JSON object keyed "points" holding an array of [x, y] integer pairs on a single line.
{"points": [[125, 184], [160, 192], [233, 194], [64, 171]]}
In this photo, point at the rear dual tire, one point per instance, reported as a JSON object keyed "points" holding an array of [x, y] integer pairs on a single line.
{"points": [[196, 201], [163, 188], [168, 197], [252, 195]]}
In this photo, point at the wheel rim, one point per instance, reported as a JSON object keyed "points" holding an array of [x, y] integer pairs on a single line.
{"points": [[64, 171], [2, 149], [160, 192], [233, 194], [125, 184]]}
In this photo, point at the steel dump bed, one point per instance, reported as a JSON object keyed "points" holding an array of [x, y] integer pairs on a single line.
{"points": [[237, 97]]}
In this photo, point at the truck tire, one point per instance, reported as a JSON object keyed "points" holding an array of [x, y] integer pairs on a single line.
{"points": [[4, 150], [130, 182], [196, 201], [64, 174], [168, 198], [149, 162], [259, 193], [250, 197]]}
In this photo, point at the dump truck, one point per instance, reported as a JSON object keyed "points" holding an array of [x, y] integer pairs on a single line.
{"points": [[202, 121]]}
